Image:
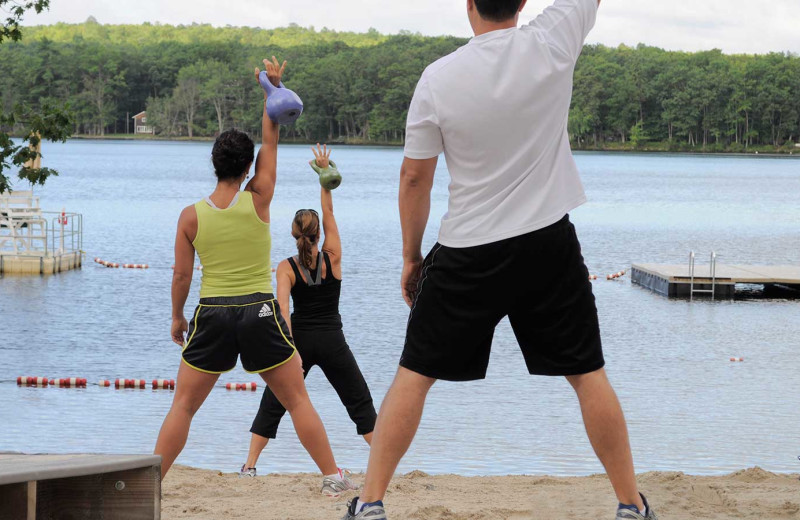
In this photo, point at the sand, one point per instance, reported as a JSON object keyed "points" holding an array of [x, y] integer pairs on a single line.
{"points": [[751, 493]]}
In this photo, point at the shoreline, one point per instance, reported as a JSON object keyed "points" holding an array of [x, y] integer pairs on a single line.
{"points": [[657, 148], [196, 493]]}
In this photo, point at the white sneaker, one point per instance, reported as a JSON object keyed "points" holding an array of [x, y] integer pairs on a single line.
{"points": [[247, 472], [335, 486]]}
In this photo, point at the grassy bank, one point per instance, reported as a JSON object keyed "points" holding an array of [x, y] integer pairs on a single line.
{"points": [[674, 147], [655, 147], [284, 140]]}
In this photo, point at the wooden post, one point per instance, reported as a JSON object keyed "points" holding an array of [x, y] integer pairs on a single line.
{"points": [[36, 163], [32, 500]]}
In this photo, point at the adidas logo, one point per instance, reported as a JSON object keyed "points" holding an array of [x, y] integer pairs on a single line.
{"points": [[265, 311]]}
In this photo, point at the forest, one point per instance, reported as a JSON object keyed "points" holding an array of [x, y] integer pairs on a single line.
{"points": [[197, 80]]}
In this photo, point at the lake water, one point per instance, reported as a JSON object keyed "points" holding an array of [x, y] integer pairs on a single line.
{"points": [[688, 407]]}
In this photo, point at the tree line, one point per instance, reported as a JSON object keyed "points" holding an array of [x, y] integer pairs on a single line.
{"points": [[705, 100], [197, 80]]}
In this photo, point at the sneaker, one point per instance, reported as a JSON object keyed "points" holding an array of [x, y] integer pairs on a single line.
{"points": [[373, 511], [247, 472], [627, 514], [335, 486]]}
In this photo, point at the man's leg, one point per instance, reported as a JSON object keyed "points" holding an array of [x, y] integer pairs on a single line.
{"points": [[608, 433], [397, 424]]}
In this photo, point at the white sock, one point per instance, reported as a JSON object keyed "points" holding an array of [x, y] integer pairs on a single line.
{"points": [[359, 505], [337, 475]]}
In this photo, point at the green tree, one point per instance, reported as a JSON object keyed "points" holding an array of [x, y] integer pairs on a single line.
{"points": [[163, 115], [101, 84], [219, 89], [638, 134], [187, 93], [33, 121]]}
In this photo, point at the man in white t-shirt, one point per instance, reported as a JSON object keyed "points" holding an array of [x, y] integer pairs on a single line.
{"points": [[498, 109]]}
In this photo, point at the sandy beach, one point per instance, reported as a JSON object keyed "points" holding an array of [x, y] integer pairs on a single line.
{"points": [[750, 493]]}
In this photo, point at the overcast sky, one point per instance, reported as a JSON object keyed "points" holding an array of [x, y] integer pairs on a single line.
{"points": [[735, 26]]}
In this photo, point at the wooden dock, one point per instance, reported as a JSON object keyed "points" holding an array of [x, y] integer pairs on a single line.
{"points": [[675, 280], [118, 487]]}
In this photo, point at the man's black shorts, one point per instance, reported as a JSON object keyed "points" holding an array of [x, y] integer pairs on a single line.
{"points": [[225, 328], [538, 280]]}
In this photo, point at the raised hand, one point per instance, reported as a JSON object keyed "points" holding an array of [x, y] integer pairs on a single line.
{"points": [[274, 71], [322, 155]]}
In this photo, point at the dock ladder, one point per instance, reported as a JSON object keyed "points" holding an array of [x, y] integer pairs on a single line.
{"points": [[713, 273]]}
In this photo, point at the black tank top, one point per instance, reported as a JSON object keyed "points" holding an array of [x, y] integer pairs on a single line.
{"points": [[316, 299]]}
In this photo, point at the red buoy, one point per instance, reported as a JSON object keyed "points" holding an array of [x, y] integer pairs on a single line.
{"points": [[163, 384], [72, 382], [33, 381], [130, 383], [252, 387]]}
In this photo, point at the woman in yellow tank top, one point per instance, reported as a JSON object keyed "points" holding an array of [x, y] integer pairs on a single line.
{"points": [[238, 315]]}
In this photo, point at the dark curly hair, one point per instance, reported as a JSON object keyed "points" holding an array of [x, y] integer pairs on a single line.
{"points": [[233, 151], [497, 10]]}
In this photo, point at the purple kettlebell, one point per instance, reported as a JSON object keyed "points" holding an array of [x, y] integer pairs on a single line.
{"points": [[283, 105]]}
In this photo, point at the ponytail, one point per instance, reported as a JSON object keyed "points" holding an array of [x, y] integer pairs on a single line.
{"points": [[305, 229], [305, 251]]}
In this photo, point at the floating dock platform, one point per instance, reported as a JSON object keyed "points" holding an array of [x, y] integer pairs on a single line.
{"points": [[33, 241], [676, 280], [39, 264]]}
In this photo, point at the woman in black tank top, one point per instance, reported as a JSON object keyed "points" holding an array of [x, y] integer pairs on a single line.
{"points": [[313, 279]]}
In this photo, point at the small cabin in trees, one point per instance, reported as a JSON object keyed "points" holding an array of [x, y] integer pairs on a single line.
{"points": [[140, 124]]}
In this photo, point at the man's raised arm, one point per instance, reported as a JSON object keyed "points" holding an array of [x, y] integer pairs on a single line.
{"points": [[568, 22]]}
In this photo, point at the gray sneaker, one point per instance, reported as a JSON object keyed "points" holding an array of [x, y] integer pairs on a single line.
{"points": [[373, 511], [335, 486], [247, 472], [627, 514]]}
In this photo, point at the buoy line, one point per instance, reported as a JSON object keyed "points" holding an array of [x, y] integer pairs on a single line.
{"points": [[119, 383]]}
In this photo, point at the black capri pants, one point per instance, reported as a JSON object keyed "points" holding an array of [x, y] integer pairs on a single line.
{"points": [[329, 350]]}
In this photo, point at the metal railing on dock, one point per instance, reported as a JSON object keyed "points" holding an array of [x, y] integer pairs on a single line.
{"points": [[33, 241], [713, 273], [44, 235]]}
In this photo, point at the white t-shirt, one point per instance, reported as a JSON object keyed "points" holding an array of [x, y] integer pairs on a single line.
{"points": [[498, 108]]}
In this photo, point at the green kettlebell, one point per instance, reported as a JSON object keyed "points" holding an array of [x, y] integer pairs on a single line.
{"points": [[329, 178]]}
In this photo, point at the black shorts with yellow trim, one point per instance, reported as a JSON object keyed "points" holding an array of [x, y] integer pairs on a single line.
{"points": [[250, 327]]}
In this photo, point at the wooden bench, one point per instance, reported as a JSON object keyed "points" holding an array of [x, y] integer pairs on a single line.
{"points": [[80, 487]]}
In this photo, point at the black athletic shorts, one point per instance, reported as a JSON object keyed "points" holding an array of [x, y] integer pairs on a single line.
{"points": [[538, 280], [225, 328]]}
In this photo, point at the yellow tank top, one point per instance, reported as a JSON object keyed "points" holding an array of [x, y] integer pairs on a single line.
{"points": [[234, 247]]}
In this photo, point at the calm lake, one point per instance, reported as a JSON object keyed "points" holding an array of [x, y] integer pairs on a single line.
{"points": [[688, 407]]}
